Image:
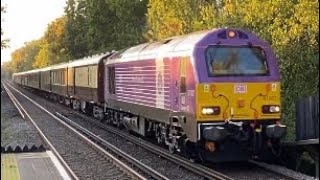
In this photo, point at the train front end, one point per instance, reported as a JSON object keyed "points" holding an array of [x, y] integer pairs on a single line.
{"points": [[238, 97]]}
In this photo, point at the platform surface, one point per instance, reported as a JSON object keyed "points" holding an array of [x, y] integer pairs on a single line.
{"points": [[31, 166]]}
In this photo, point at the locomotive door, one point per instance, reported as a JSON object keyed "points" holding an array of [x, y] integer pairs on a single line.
{"points": [[182, 83]]}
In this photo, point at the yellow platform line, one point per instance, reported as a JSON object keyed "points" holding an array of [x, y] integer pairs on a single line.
{"points": [[9, 167]]}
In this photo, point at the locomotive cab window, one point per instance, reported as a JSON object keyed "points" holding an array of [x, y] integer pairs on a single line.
{"points": [[228, 61]]}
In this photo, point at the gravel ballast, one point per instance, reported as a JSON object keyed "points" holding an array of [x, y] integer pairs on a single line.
{"points": [[16, 131]]}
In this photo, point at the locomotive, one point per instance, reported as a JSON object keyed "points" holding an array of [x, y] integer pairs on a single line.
{"points": [[214, 94]]}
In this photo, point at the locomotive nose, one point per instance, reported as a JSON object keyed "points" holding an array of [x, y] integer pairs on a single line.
{"points": [[238, 101]]}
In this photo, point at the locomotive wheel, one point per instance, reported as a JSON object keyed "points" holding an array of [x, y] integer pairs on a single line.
{"points": [[172, 149], [119, 124], [183, 146], [116, 120], [108, 117], [159, 134], [76, 105], [108, 120]]}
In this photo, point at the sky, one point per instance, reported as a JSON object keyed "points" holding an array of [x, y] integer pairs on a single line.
{"points": [[27, 20]]}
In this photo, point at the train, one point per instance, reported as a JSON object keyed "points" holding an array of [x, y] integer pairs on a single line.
{"points": [[213, 95]]}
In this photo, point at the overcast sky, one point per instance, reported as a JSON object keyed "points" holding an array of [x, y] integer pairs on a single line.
{"points": [[26, 20]]}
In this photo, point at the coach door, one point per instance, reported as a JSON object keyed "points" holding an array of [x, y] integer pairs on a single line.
{"points": [[70, 81], [93, 72]]}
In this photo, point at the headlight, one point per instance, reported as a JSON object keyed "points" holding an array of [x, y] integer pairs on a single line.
{"points": [[210, 110], [270, 109]]}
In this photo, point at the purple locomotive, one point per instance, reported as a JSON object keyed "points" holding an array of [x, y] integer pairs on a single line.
{"points": [[212, 94]]}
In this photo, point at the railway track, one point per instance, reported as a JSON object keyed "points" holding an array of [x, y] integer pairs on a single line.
{"points": [[154, 174], [127, 171], [196, 168], [202, 171], [23, 112]]}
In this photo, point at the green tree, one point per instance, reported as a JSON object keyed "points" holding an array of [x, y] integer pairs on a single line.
{"points": [[95, 26], [101, 21], [129, 22], [170, 18], [76, 28]]}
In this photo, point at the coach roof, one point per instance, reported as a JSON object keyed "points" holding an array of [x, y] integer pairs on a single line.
{"points": [[90, 60]]}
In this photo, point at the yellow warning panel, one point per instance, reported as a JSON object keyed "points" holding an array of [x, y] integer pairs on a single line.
{"points": [[9, 167]]}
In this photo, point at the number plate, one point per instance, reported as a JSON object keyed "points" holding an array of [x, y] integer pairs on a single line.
{"points": [[240, 88]]}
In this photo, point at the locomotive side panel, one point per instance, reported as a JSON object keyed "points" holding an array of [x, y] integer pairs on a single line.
{"points": [[140, 87]]}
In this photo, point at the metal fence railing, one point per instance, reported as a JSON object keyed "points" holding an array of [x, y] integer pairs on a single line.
{"points": [[307, 118]]}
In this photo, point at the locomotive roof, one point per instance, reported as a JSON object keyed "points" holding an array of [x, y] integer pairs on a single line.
{"points": [[152, 50]]}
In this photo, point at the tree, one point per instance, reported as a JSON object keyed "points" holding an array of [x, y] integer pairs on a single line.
{"points": [[76, 28], [171, 17], [54, 37], [4, 42], [96, 26], [129, 22], [41, 60], [31, 50]]}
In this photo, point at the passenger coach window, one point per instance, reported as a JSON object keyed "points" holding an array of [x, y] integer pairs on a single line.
{"points": [[111, 73], [226, 61]]}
